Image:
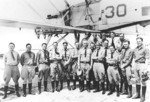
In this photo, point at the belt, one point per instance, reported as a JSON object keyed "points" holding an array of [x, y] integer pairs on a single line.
{"points": [[84, 62], [139, 62], [112, 64], [98, 61], [43, 63]]}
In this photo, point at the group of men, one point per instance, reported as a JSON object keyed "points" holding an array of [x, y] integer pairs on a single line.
{"points": [[106, 63]]}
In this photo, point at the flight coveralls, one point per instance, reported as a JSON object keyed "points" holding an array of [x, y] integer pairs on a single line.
{"points": [[66, 66], [42, 60], [84, 59], [55, 68], [126, 60], [98, 68], [11, 61], [74, 66], [113, 74], [27, 61], [140, 55]]}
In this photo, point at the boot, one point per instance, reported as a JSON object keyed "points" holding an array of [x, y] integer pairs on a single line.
{"points": [[143, 94], [30, 89], [81, 86], [96, 86], [107, 85], [117, 87], [121, 85], [57, 89], [39, 87], [125, 92], [103, 88], [53, 84], [88, 86], [45, 85], [61, 85], [74, 85], [5, 92], [68, 85], [130, 91], [111, 89], [138, 88], [17, 90], [24, 90]]}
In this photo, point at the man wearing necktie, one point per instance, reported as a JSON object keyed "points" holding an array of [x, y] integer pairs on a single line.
{"points": [[98, 67], [42, 60], [55, 68], [126, 60], [84, 59], [113, 58], [66, 62], [27, 61], [11, 61], [105, 46]]}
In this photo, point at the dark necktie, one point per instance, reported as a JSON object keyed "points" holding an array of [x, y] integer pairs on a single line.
{"points": [[85, 53], [45, 57], [56, 52], [112, 43], [97, 53], [12, 55], [111, 55], [29, 54], [65, 53], [105, 52]]}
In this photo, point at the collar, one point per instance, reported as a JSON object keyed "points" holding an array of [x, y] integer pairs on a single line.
{"points": [[139, 47]]}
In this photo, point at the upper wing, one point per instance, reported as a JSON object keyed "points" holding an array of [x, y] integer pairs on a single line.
{"points": [[43, 26]]}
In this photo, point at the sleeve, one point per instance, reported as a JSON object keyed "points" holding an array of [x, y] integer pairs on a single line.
{"points": [[22, 59], [130, 57], [18, 58], [34, 60], [147, 54], [4, 59]]}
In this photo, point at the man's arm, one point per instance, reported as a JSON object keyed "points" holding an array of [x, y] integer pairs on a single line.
{"points": [[22, 59], [18, 58], [37, 58], [129, 61]]}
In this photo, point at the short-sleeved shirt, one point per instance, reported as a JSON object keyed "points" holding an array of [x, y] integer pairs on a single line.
{"points": [[27, 58], [85, 57], [115, 59], [98, 53], [8, 59], [65, 54], [54, 54], [41, 58], [140, 54], [127, 55]]}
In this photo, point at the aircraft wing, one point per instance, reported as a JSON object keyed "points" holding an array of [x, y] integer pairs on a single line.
{"points": [[43, 26]]}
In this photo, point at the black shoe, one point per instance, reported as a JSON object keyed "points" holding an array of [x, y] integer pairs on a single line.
{"points": [[138, 89], [39, 87], [96, 87], [117, 87], [103, 88], [5, 92], [57, 89], [143, 94], [74, 85], [30, 89], [130, 91], [81, 86], [61, 85], [45, 85], [24, 90], [68, 85], [88, 86], [53, 86], [111, 89], [17, 90]]}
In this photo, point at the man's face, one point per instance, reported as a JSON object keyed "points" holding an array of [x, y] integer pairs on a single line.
{"points": [[122, 37], [139, 42], [86, 35], [112, 49], [92, 46], [44, 47], [11, 47], [126, 45], [85, 43], [105, 43], [65, 45], [112, 35], [28, 48], [97, 46], [55, 45]]}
